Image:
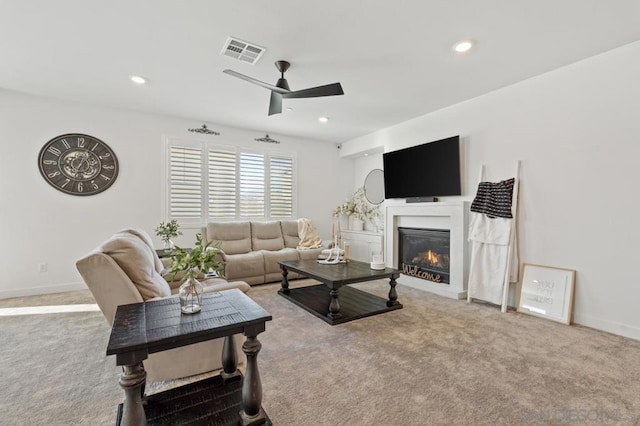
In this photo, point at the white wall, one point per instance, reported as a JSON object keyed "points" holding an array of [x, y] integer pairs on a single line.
{"points": [[576, 131], [43, 225], [363, 165]]}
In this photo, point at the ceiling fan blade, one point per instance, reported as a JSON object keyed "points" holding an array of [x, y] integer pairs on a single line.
{"points": [[315, 92], [275, 103], [258, 82]]}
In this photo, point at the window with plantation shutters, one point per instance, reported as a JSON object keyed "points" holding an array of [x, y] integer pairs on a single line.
{"points": [[281, 186], [185, 183], [252, 185], [209, 183], [222, 191]]}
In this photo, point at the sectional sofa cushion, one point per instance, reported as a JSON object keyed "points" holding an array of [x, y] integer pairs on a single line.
{"points": [[266, 236], [245, 265], [137, 260], [290, 233], [271, 259], [235, 236]]}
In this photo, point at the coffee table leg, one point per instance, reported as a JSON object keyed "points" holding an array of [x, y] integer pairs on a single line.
{"points": [[132, 380], [334, 306], [252, 412], [393, 295], [230, 370], [285, 281]]}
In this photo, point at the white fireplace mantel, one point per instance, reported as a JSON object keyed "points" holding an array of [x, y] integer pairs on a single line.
{"points": [[451, 215]]}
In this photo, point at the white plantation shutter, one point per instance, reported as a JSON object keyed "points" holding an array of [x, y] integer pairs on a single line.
{"points": [[281, 186], [222, 184], [252, 185], [209, 183], [185, 183]]}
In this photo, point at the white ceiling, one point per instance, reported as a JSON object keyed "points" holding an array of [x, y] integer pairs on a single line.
{"points": [[393, 58]]}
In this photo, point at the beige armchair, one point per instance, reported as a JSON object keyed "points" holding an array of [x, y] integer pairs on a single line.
{"points": [[126, 269]]}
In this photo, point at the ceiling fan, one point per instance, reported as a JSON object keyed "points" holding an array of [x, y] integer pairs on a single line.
{"points": [[282, 90]]}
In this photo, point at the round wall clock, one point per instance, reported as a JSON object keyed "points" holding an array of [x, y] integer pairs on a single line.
{"points": [[78, 164]]}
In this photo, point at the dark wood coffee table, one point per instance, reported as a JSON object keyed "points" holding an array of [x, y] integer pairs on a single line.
{"points": [[333, 301], [140, 329]]}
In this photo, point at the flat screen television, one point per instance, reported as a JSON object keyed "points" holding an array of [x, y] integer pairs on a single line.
{"points": [[424, 171]]}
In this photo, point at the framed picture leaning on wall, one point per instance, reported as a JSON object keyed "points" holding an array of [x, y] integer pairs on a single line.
{"points": [[547, 292]]}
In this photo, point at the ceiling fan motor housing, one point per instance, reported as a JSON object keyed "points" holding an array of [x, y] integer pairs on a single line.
{"points": [[282, 83]]}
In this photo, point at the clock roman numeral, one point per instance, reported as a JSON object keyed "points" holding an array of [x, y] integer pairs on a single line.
{"points": [[105, 177], [54, 174], [65, 143], [54, 150], [106, 155], [95, 146], [94, 185], [50, 162], [66, 182], [109, 167]]}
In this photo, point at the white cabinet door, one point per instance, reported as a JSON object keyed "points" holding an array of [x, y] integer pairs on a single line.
{"points": [[362, 243]]}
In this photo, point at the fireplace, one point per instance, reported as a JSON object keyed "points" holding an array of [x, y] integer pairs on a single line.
{"points": [[424, 253], [449, 215]]}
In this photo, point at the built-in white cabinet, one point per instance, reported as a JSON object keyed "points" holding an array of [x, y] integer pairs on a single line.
{"points": [[362, 243]]}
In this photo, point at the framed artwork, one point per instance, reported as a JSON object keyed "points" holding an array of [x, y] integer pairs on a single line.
{"points": [[547, 292]]}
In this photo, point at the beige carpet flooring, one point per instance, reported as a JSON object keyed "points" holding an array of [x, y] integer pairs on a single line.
{"points": [[437, 361]]}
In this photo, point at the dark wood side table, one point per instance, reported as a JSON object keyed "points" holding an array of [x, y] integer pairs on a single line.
{"points": [[140, 329]]}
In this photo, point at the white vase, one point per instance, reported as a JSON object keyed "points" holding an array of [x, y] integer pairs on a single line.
{"points": [[356, 224]]}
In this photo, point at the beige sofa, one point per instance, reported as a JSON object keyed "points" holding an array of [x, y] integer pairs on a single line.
{"points": [[126, 269], [252, 250]]}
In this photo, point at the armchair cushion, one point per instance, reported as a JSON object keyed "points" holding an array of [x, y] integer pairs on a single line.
{"points": [[147, 240], [136, 259]]}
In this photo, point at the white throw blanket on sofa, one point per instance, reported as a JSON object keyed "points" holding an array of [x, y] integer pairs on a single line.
{"points": [[309, 238]]}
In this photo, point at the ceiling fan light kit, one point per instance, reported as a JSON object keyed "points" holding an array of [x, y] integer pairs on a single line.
{"points": [[282, 90]]}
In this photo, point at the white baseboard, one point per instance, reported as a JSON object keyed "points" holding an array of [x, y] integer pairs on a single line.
{"points": [[35, 291], [608, 326], [439, 289]]}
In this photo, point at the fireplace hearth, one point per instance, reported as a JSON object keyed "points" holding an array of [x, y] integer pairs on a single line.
{"points": [[424, 253]]}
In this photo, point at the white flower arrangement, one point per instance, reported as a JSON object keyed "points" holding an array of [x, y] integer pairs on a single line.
{"points": [[358, 206]]}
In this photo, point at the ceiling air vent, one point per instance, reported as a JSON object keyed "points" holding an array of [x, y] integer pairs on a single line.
{"points": [[242, 50]]}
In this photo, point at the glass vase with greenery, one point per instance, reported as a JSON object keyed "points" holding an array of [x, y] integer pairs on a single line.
{"points": [[201, 259], [167, 231]]}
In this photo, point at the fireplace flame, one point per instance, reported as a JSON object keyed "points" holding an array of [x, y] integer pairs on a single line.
{"points": [[431, 258]]}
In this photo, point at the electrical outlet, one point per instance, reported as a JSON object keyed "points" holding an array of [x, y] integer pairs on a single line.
{"points": [[42, 267]]}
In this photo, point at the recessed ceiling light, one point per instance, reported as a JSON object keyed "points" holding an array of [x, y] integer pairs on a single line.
{"points": [[323, 119], [138, 80], [463, 46]]}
